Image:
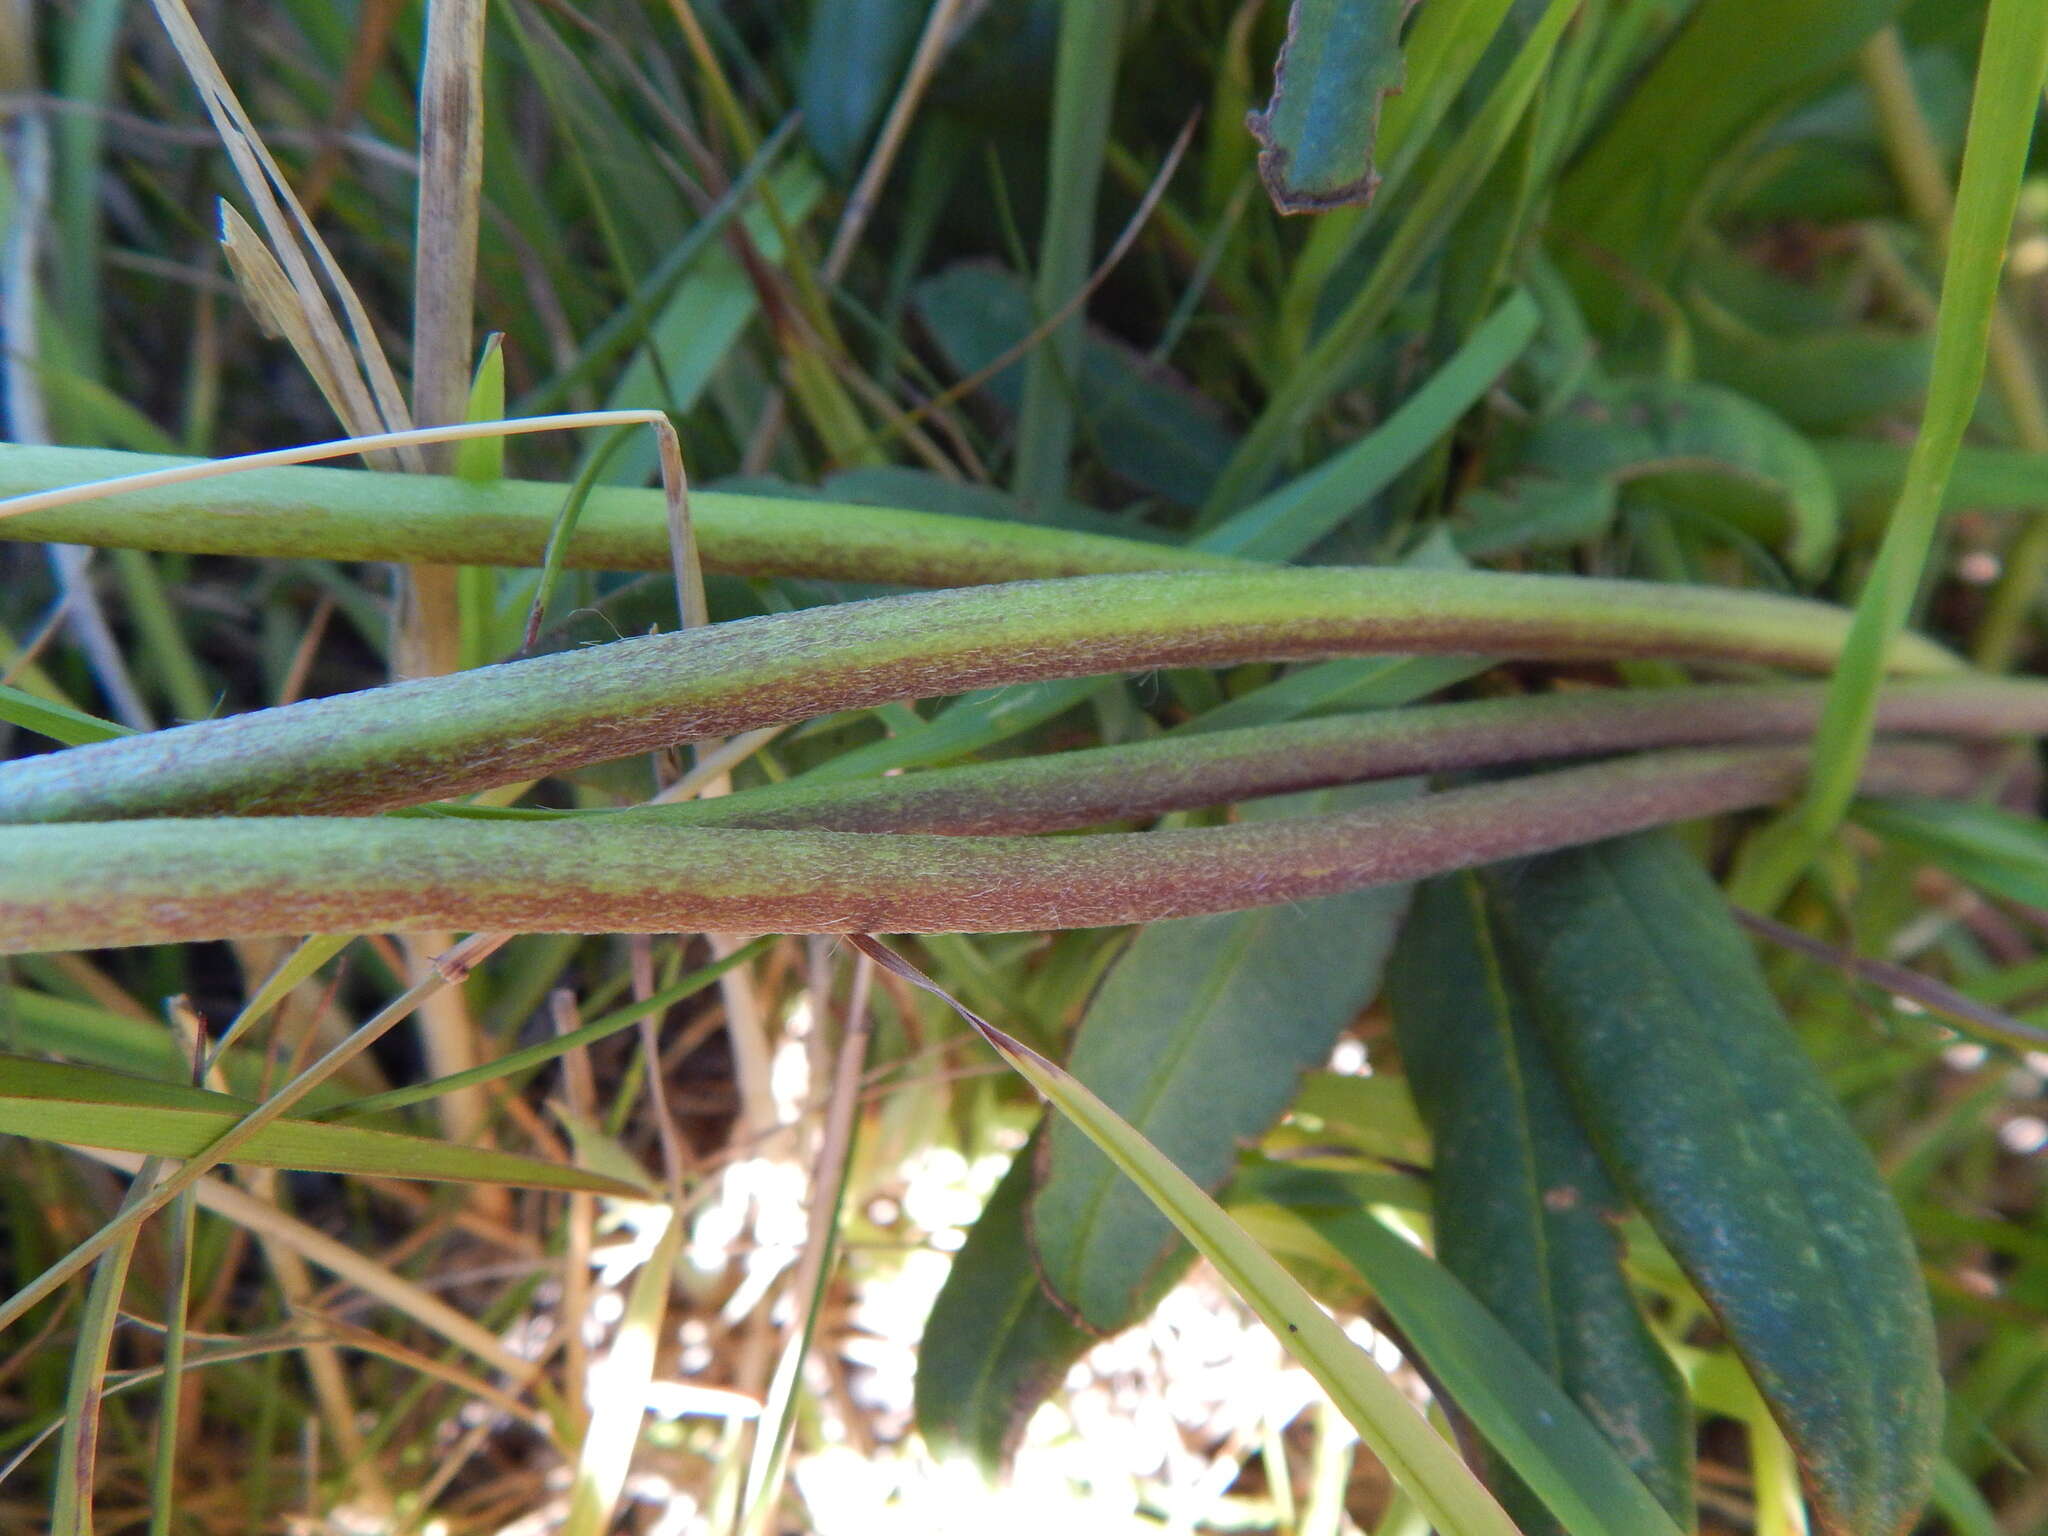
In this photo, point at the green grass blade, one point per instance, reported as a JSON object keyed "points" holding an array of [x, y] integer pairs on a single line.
{"points": [[59, 722], [1286, 521], [549, 1050], [1992, 849], [2011, 68], [1511, 1400], [1084, 88], [1421, 1461], [87, 1106]]}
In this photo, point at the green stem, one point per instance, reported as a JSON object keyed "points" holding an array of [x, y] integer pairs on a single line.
{"points": [[94, 886], [1064, 790], [305, 512], [433, 738]]}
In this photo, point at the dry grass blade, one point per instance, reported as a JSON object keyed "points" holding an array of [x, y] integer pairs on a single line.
{"points": [[939, 32], [340, 1260], [445, 238], [361, 371]]}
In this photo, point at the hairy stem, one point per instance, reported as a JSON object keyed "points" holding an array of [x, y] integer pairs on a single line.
{"points": [[432, 738], [166, 881], [1065, 790]]}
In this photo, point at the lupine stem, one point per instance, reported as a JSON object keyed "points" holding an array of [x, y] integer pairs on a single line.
{"points": [[94, 885], [1063, 790], [437, 737]]}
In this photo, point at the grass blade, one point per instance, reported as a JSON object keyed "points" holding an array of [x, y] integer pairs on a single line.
{"points": [[1420, 1460], [2011, 68], [88, 1106]]}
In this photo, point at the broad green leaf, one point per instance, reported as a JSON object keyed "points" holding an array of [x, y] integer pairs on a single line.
{"points": [[995, 1343], [1552, 1442], [1526, 1216], [1420, 1460], [88, 1106], [1868, 474], [1705, 1110], [1818, 380], [1694, 444], [1339, 61], [1198, 1037]]}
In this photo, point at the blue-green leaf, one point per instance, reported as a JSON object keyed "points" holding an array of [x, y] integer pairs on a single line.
{"points": [[1704, 1108], [1526, 1215], [1339, 61]]}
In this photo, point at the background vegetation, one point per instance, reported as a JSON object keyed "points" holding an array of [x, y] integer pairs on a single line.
{"points": [[1611, 362]]}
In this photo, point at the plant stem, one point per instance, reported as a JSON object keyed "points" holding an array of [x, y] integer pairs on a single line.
{"points": [[349, 514], [156, 882], [1064, 790], [433, 738]]}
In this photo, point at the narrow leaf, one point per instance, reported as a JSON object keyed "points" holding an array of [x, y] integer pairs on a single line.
{"points": [[59, 722], [1418, 1458], [89, 1106], [1526, 1215], [1199, 1036], [481, 460], [1992, 849], [1550, 1440]]}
